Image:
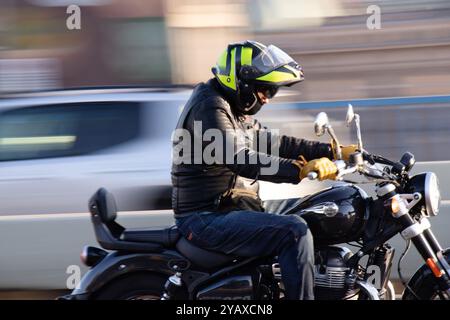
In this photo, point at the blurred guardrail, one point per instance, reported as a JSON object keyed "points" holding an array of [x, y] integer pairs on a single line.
{"points": [[390, 126]]}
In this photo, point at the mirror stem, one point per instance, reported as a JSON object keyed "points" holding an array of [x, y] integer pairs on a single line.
{"points": [[358, 132], [338, 146]]}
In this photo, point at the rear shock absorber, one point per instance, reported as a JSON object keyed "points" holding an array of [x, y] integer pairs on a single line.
{"points": [[172, 287]]}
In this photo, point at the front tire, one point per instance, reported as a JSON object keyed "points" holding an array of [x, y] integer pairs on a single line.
{"points": [[424, 284], [425, 289], [142, 286]]}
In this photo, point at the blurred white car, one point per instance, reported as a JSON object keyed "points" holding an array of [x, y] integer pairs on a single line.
{"points": [[56, 149]]}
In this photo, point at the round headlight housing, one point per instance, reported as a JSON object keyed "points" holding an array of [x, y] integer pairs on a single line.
{"points": [[432, 194]]}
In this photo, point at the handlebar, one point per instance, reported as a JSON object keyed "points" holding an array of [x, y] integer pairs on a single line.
{"points": [[342, 170], [312, 175], [364, 168]]}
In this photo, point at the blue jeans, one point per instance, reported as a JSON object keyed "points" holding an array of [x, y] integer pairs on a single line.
{"points": [[250, 233]]}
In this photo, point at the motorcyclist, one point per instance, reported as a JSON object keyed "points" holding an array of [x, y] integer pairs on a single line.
{"points": [[216, 204]]}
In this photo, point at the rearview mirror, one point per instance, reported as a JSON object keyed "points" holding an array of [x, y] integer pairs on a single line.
{"points": [[408, 160], [350, 115], [321, 123], [349, 118]]}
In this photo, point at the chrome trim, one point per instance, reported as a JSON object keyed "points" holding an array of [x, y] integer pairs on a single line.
{"points": [[165, 296], [176, 279], [321, 123], [333, 277], [358, 132], [368, 289], [391, 290], [414, 197], [425, 223], [428, 176], [385, 190], [340, 269], [84, 255], [441, 258], [329, 209], [412, 231], [347, 253], [276, 271]]}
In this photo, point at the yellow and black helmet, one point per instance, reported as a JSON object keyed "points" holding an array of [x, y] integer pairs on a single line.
{"points": [[244, 66]]}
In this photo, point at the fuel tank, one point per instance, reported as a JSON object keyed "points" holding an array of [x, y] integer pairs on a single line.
{"points": [[335, 215]]}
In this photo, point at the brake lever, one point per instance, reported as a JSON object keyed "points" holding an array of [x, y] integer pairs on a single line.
{"points": [[346, 171]]}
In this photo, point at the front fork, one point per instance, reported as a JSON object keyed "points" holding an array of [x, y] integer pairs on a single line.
{"points": [[425, 242]]}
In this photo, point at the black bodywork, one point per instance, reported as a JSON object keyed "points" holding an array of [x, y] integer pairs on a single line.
{"points": [[350, 220]]}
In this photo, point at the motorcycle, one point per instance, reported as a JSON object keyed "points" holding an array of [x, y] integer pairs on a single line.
{"points": [[161, 264]]}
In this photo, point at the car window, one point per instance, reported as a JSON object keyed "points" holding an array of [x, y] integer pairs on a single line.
{"points": [[66, 129]]}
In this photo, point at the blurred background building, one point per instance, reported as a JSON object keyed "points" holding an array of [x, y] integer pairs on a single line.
{"points": [[177, 41]]}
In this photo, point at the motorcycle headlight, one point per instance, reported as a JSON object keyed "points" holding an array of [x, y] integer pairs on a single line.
{"points": [[432, 194], [427, 185]]}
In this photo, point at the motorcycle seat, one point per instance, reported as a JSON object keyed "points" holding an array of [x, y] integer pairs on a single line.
{"points": [[166, 237], [102, 205], [201, 257], [170, 238]]}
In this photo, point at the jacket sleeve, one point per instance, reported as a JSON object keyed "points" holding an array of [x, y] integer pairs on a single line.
{"points": [[224, 144], [292, 147]]}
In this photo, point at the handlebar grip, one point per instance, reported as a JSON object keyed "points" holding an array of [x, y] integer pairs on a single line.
{"points": [[312, 175]]}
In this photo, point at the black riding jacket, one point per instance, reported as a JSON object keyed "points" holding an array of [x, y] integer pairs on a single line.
{"points": [[197, 183]]}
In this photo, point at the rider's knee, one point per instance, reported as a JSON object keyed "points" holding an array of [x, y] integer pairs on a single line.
{"points": [[297, 229]]}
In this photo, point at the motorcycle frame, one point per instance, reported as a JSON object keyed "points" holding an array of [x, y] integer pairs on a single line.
{"points": [[425, 243], [117, 264]]}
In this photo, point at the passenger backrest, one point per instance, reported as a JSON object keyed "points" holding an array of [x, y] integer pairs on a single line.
{"points": [[103, 204]]}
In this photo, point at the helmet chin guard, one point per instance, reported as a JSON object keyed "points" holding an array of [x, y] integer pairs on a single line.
{"points": [[248, 101]]}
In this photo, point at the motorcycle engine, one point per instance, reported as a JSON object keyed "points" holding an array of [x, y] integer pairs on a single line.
{"points": [[333, 279]]}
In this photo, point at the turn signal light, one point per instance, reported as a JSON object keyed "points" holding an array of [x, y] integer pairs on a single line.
{"points": [[395, 205], [91, 256], [434, 268]]}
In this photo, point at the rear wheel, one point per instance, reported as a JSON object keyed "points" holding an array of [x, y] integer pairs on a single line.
{"points": [[142, 286]]}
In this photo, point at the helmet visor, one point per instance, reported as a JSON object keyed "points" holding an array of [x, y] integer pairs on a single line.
{"points": [[270, 59]]}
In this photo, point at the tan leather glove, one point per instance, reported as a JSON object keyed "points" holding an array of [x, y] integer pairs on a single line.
{"points": [[346, 151], [324, 168]]}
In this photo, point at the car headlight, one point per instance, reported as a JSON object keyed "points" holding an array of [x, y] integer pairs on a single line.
{"points": [[432, 194]]}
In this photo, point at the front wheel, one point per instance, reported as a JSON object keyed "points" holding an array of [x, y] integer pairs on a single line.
{"points": [[428, 289], [423, 285], [140, 286]]}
